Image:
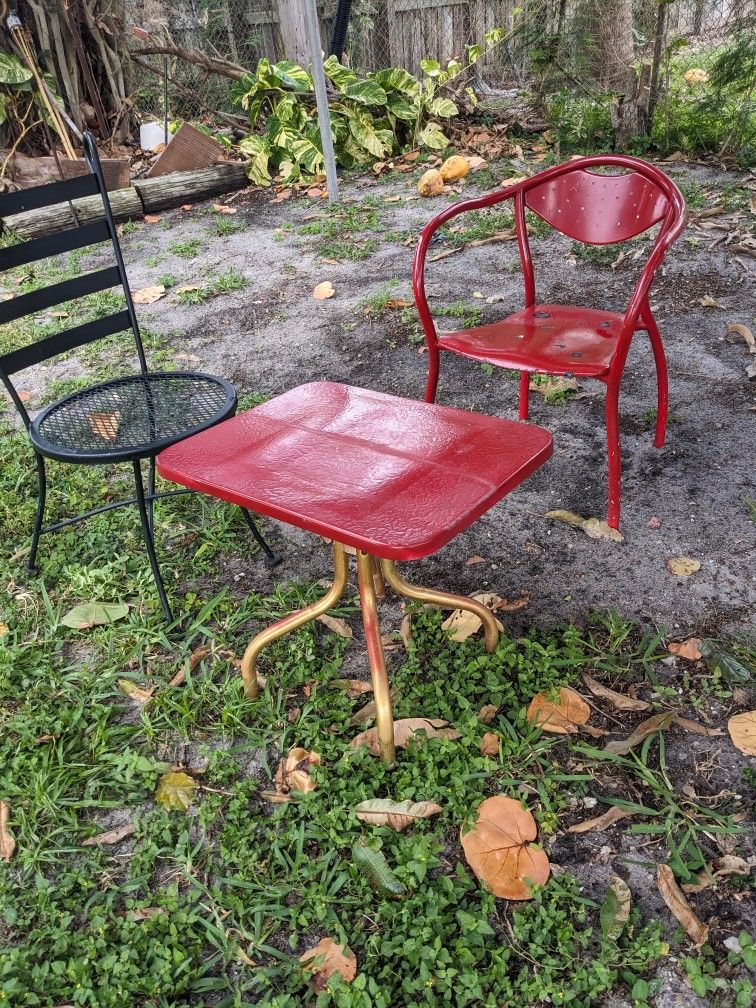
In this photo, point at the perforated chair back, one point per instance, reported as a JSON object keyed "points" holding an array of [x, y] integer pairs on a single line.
{"points": [[75, 237]]}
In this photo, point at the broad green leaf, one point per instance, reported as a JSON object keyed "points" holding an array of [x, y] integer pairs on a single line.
{"points": [[12, 70], [444, 107], [307, 154], [366, 92], [431, 67], [90, 614], [453, 69], [245, 90], [4, 104], [292, 76], [396, 79], [474, 52], [495, 35], [258, 150], [724, 663], [402, 108], [375, 866], [364, 133], [615, 910], [175, 791], [433, 137], [337, 72]]}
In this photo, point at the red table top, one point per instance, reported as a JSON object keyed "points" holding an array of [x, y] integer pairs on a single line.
{"points": [[395, 477]]}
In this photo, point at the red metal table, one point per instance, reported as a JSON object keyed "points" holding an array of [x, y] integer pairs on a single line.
{"points": [[393, 478]]}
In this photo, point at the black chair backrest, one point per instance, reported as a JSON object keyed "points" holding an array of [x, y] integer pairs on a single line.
{"points": [[76, 237]]}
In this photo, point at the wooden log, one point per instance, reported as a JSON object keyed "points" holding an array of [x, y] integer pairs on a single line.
{"points": [[173, 190], [126, 205], [144, 196]]}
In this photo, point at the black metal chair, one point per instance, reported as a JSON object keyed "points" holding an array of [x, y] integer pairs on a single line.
{"points": [[127, 419]]}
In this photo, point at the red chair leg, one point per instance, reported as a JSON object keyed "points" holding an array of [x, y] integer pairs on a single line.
{"points": [[613, 454], [662, 384], [524, 394], [431, 386]]}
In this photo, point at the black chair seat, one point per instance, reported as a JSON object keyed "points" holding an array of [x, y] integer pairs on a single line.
{"points": [[132, 417]]}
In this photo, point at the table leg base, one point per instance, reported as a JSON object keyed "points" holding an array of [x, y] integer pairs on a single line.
{"points": [[371, 575]]}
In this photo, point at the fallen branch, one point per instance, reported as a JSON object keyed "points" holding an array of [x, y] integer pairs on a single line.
{"points": [[211, 64]]}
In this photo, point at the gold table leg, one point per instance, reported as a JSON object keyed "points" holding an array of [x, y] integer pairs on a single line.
{"points": [[443, 599], [294, 621], [384, 717]]}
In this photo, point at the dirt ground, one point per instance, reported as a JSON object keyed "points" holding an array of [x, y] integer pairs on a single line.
{"points": [[273, 335]]}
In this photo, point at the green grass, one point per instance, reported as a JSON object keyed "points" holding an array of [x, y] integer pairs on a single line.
{"points": [[187, 249], [223, 283], [346, 232]]}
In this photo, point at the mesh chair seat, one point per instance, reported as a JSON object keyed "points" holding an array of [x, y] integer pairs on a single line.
{"points": [[131, 417]]}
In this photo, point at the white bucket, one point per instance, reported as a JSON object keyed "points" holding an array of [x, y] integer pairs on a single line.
{"points": [[152, 134]]}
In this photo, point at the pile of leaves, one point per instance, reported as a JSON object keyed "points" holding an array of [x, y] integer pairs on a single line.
{"points": [[373, 115]]}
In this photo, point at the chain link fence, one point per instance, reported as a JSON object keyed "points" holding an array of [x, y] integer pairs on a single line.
{"points": [[558, 53]]}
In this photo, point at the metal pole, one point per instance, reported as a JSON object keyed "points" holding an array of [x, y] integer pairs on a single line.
{"points": [[321, 97]]}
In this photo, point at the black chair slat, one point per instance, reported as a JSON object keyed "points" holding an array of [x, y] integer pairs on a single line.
{"points": [[79, 335], [56, 294], [54, 244], [48, 195]]}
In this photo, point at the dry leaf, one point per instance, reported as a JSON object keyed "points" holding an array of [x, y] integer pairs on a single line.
{"points": [[293, 772], [404, 730], [326, 959], [185, 207], [697, 931], [399, 303], [397, 815], [723, 867], [105, 425], [735, 329], [185, 289], [145, 913], [499, 852], [562, 715], [488, 712], [657, 722], [148, 295], [683, 566], [463, 624], [339, 626], [352, 687], [323, 291], [474, 560], [594, 528], [24, 395], [602, 822], [175, 791], [654, 522], [698, 729], [405, 630], [367, 713], [136, 693], [709, 302], [489, 744], [686, 649], [221, 208], [110, 836], [618, 700], [742, 731], [152, 219], [7, 840]]}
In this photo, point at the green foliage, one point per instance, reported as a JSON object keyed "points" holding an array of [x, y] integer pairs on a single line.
{"points": [[373, 115]]}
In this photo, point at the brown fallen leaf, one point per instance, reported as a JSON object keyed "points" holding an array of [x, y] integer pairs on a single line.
{"points": [[399, 303], [327, 958], [489, 744], [499, 850], [146, 913], [185, 207], [697, 728], [686, 649], [723, 867], [221, 208], [7, 840], [293, 772], [744, 333], [561, 715], [406, 729], [697, 931], [105, 425], [405, 630], [148, 295], [742, 731], [683, 566], [594, 528], [471, 561], [657, 722], [367, 713], [707, 301], [152, 219], [618, 700], [654, 522], [488, 712], [323, 291], [339, 626], [463, 624], [602, 822], [110, 836], [134, 692], [352, 687], [397, 815]]}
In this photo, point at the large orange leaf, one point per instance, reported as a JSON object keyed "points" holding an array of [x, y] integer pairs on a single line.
{"points": [[327, 958], [499, 851], [404, 730], [560, 715]]}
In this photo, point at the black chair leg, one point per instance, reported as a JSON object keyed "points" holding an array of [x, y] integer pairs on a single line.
{"points": [[271, 559], [38, 518], [149, 542], [151, 495]]}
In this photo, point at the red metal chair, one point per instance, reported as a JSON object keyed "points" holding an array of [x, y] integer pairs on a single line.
{"points": [[596, 209]]}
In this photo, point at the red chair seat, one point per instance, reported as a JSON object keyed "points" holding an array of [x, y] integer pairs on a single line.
{"points": [[395, 477], [556, 339]]}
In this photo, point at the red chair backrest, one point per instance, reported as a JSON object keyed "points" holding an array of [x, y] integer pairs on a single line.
{"points": [[598, 209]]}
